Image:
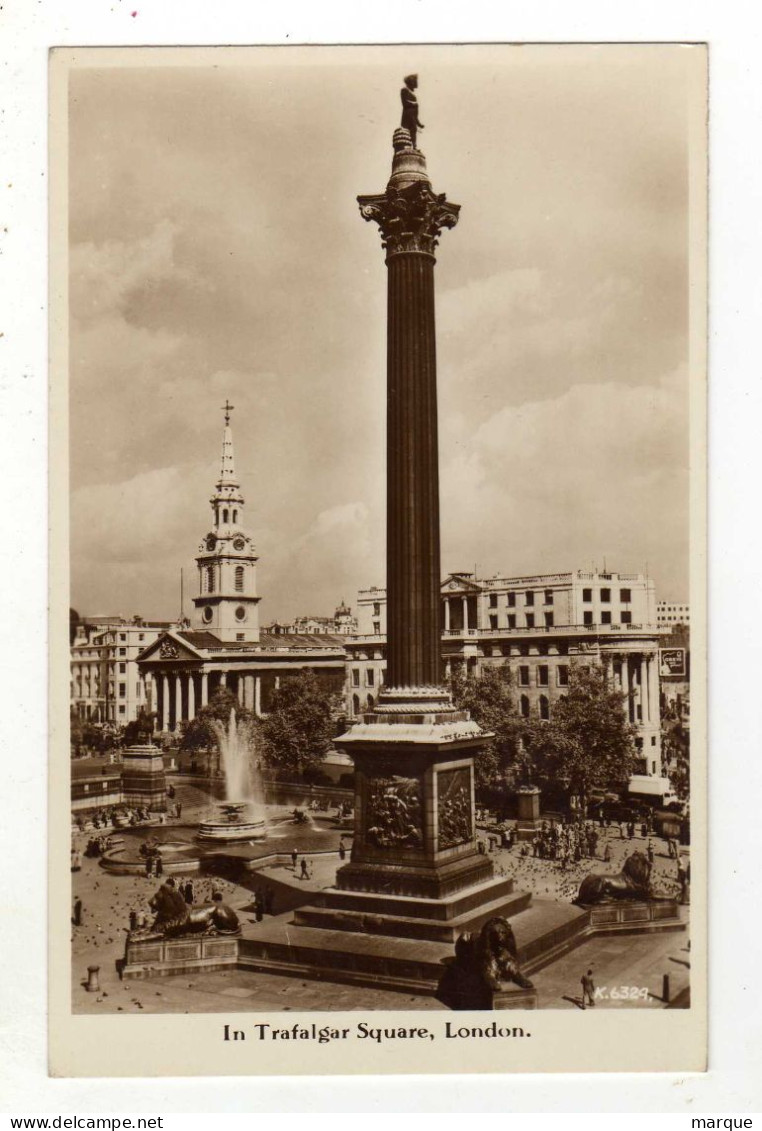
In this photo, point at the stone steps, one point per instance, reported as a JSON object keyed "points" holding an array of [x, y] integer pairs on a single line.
{"points": [[435, 930], [416, 907]]}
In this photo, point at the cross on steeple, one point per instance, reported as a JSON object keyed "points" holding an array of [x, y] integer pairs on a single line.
{"points": [[227, 408]]}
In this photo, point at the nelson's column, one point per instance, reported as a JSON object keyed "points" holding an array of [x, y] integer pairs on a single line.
{"points": [[415, 833]]}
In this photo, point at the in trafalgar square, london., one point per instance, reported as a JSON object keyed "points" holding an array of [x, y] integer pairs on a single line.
{"points": [[454, 792]]}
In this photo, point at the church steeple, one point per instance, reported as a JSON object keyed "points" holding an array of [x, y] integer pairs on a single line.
{"points": [[227, 602]]}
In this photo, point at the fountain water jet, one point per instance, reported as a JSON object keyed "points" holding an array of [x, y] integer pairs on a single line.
{"points": [[241, 816]]}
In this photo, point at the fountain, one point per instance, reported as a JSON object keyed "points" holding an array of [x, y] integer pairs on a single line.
{"points": [[241, 816]]}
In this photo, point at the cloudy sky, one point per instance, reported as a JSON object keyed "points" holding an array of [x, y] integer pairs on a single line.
{"points": [[216, 250]]}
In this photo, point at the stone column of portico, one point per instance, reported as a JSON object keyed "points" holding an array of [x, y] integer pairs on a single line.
{"points": [[223, 679], [204, 688], [653, 689], [645, 707], [447, 614], [191, 697], [626, 686], [165, 702], [178, 700], [257, 696], [465, 614]]}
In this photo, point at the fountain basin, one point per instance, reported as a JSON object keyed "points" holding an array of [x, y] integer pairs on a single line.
{"points": [[233, 821]]}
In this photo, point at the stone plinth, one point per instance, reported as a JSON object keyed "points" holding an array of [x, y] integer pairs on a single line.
{"points": [[529, 822], [143, 778]]}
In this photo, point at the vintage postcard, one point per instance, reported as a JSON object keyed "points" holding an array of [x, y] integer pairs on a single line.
{"points": [[378, 559]]}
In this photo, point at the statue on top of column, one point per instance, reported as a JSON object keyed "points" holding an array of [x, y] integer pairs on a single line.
{"points": [[410, 120]]}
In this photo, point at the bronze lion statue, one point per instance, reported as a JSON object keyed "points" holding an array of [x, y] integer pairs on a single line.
{"points": [[484, 962], [633, 882]]}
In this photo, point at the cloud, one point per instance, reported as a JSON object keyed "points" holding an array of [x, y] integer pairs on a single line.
{"points": [[600, 470]]}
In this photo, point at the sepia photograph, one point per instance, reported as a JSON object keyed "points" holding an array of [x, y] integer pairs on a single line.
{"points": [[378, 387]]}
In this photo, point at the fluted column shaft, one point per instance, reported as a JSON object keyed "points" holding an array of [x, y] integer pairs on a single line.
{"points": [[412, 539]]}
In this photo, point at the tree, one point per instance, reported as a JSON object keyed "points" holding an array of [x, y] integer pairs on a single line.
{"points": [[587, 743], [140, 729], [299, 730], [489, 700]]}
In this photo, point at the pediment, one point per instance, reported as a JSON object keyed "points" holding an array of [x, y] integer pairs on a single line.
{"points": [[455, 583], [170, 648]]}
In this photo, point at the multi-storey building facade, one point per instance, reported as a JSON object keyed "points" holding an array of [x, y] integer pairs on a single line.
{"points": [[671, 613], [105, 679], [538, 626], [342, 623]]}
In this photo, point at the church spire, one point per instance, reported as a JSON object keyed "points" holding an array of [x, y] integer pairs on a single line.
{"points": [[227, 471]]}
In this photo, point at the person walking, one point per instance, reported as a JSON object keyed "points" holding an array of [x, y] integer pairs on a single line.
{"points": [[188, 893], [149, 865], [259, 905], [77, 918], [159, 865], [650, 851], [342, 849], [607, 853], [305, 875], [294, 857], [588, 989]]}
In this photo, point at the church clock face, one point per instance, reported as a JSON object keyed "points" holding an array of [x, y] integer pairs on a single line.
{"points": [[239, 544], [211, 542]]}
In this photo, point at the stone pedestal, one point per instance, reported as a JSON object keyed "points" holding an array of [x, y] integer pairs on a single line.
{"points": [[143, 778], [529, 823]]}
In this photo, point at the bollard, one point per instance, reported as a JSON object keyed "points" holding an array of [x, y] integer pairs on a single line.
{"points": [[665, 987], [93, 985]]}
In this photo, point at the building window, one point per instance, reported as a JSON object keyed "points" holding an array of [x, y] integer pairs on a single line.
{"points": [[542, 675], [235, 516], [370, 702], [240, 613], [563, 675], [210, 579], [511, 620], [493, 621], [376, 608], [355, 677], [511, 600], [606, 596], [544, 707], [355, 704], [240, 636], [225, 515], [122, 709], [239, 579], [122, 690], [626, 617], [141, 636], [493, 600], [653, 739], [524, 676], [122, 636], [587, 594], [530, 620], [548, 620], [587, 617], [137, 690], [529, 598], [525, 706], [625, 595], [548, 596], [122, 651], [606, 618], [122, 669], [376, 627], [369, 677]]}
